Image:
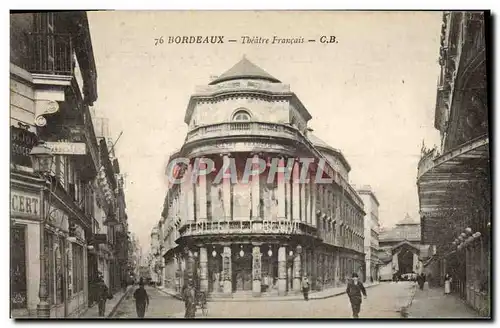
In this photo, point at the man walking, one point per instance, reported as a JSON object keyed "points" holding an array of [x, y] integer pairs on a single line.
{"points": [[354, 290], [189, 296], [421, 280], [141, 299], [305, 287], [102, 294]]}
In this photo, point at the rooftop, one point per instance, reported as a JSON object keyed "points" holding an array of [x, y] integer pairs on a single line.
{"points": [[245, 69], [405, 229], [317, 142]]}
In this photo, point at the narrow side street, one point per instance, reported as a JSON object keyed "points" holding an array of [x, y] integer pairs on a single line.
{"points": [[384, 301]]}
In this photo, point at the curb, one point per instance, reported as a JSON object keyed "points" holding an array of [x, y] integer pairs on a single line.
{"points": [[174, 295], [113, 310], [404, 310], [265, 299]]}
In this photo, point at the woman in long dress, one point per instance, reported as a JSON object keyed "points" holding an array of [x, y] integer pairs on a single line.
{"points": [[447, 284]]}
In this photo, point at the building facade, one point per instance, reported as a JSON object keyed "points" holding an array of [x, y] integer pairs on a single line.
{"points": [[155, 260], [400, 249], [454, 182], [371, 232], [52, 87], [262, 235]]}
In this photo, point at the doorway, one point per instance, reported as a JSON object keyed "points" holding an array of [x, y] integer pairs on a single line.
{"points": [[405, 261], [242, 273]]}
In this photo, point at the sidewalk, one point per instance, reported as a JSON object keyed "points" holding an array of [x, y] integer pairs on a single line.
{"points": [[111, 305], [432, 303], [327, 293]]}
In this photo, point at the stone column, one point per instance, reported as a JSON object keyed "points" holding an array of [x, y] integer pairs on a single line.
{"points": [[415, 262], [190, 196], [337, 269], [303, 201], [256, 270], [296, 192], [226, 190], [320, 274], [313, 202], [202, 191], [288, 197], [308, 187], [255, 188], [395, 263], [282, 270], [281, 191], [226, 270], [203, 269], [297, 266], [314, 268]]}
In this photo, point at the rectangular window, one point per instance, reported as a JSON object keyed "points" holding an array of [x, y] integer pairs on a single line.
{"points": [[77, 268]]}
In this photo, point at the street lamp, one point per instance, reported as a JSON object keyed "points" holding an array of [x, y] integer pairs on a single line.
{"points": [[42, 159]]}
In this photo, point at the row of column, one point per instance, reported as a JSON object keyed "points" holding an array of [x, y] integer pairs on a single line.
{"points": [[296, 201], [323, 269], [256, 270]]}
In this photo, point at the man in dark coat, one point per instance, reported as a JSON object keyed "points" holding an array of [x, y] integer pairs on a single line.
{"points": [[141, 299], [102, 294], [354, 290], [189, 297], [421, 280]]}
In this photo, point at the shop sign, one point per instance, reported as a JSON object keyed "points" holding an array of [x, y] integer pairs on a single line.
{"points": [[21, 143], [100, 239], [67, 148], [24, 203]]}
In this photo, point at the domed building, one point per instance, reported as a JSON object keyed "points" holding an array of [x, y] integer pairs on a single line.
{"points": [[261, 235]]}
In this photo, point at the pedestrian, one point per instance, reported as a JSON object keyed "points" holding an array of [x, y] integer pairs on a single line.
{"points": [[447, 284], [430, 282], [103, 294], [141, 299], [189, 297], [354, 290], [305, 287], [421, 281]]}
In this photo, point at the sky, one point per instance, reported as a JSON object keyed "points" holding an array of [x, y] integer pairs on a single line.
{"points": [[371, 95]]}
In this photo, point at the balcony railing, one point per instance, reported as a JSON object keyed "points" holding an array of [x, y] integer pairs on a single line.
{"points": [[50, 53], [247, 227], [242, 128]]}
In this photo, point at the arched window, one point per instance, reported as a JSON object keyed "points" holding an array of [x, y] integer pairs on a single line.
{"points": [[241, 115]]}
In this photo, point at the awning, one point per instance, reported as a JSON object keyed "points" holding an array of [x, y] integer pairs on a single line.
{"points": [[440, 175], [444, 179]]}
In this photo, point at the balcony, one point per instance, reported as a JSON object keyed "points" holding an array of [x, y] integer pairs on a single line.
{"points": [[50, 53], [242, 128], [246, 227]]}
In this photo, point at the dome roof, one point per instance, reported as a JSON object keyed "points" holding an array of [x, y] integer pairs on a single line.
{"points": [[245, 69]]}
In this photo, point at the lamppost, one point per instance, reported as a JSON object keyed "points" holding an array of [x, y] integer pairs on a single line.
{"points": [[42, 159]]}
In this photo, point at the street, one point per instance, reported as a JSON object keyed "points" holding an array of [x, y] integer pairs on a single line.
{"points": [[383, 301], [160, 306]]}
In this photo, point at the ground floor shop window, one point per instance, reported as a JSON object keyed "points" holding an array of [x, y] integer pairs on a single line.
{"points": [[18, 268], [77, 268]]}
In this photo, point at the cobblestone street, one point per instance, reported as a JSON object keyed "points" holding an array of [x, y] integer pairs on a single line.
{"points": [[160, 306], [384, 301]]}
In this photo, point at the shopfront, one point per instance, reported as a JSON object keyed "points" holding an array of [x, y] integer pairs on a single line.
{"points": [[25, 209]]}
